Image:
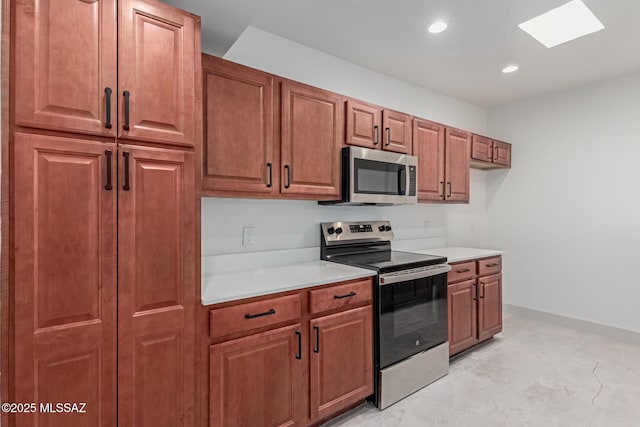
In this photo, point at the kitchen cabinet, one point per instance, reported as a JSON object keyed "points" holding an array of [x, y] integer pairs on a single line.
{"points": [[475, 302], [238, 154], [294, 358], [65, 265], [66, 80], [258, 380], [487, 153], [371, 126], [443, 160], [156, 276], [341, 349], [312, 130]]}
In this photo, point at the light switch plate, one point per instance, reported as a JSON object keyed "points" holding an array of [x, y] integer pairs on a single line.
{"points": [[247, 235]]}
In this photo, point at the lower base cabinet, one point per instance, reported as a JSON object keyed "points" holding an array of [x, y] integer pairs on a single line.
{"points": [[475, 303], [293, 375]]}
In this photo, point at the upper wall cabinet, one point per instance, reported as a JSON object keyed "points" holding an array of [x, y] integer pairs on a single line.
{"points": [[311, 136], [487, 153], [65, 65], [238, 154], [457, 165], [67, 78], [370, 126]]}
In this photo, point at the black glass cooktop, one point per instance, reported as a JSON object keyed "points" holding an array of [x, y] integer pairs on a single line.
{"points": [[388, 261]]}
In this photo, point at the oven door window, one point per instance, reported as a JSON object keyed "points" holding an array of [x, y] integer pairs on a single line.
{"points": [[413, 317], [373, 177]]}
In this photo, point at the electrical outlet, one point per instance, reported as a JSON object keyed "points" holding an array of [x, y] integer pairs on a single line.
{"points": [[427, 227], [247, 235]]}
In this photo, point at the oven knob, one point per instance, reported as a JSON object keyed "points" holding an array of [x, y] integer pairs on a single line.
{"points": [[339, 230], [381, 228], [331, 230], [387, 228]]}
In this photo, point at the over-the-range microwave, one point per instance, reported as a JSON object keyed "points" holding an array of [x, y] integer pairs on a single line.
{"points": [[376, 177]]}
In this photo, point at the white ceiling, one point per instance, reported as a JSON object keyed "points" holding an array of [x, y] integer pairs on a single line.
{"points": [[464, 62]]}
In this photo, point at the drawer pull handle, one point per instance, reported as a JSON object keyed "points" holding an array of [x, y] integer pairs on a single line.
{"points": [[464, 270], [299, 354], [266, 313], [349, 295], [495, 264]]}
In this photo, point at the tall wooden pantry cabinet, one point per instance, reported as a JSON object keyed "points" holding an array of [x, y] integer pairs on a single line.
{"points": [[99, 232]]}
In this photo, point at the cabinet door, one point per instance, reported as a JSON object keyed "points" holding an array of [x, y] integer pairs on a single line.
{"points": [[156, 67], [428, 146], [156, 287], [238, 149], [258, 380], [65, 279], [312, 134], [481, 148], [65, 58], [462, 316], [502, 153], [363, 124], [397, 132], [457, 165], [489, 306], [341, 349]]}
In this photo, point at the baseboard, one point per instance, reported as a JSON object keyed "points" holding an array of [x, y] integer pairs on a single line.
{"points": [[578, 324]]}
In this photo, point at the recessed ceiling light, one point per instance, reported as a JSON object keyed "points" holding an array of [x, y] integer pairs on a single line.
{"points": [[437, 27], [510, 69], [562, 24]]}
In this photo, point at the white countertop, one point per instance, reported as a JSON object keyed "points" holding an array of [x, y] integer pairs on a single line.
{"points": [[456, 254], [236, 285]]}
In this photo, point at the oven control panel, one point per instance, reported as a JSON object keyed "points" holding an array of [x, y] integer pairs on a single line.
{"points": [[335, 232]]}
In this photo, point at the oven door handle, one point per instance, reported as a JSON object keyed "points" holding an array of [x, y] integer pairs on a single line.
{"points": [[390, 278]]}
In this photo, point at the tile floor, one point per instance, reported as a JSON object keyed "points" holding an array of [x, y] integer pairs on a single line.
{"points": [[532, 374]]}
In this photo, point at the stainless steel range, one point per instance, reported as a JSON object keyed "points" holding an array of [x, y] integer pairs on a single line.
{"points": [[411, 326]]}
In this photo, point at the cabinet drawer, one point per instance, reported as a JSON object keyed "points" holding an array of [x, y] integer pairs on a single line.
{"points": [[254, 315], [489, 266], [461, 271], [340, 296]]}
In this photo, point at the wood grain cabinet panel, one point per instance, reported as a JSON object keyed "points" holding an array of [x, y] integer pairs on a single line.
{"points": [[258, 380], [487, 153], [238, 151], [462, 271], [65, 298], [363, 124], [341, 348], [311, 136], [156, 287], [481, 148], [457, 174], [156, 66], [396, 132], [429, 147], [341, 296], [463, 324], [65, 58], [489, 306], [502, 153]]}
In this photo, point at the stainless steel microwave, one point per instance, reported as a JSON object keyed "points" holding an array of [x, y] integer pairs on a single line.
{"points": [[375, 177]]}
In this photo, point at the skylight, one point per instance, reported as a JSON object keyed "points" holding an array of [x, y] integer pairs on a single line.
{"points": [[562, 24]]}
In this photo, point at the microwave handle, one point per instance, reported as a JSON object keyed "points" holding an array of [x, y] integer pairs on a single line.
{"points": [[402, 181]]}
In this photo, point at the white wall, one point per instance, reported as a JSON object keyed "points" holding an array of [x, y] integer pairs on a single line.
{"points": [[294, 224], [568, 212]]}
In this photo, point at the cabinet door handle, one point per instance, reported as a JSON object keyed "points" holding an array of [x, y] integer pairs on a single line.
{"points": [[482, 284], [126, 186], [266, 313], [316, 349], [449, 184], [388, 130], [464, 270], [270, 170], [107, 94], [126, 95], [444, 192], [108, 186], [495, 264], [287, 170], [299, 336], [376, 129], [495, 153], [349, 295], [475, 293]]}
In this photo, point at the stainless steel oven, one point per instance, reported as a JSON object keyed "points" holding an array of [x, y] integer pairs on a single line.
{"points": [[376, 177]]}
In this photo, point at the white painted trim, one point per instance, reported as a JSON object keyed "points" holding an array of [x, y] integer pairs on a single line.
{"points": [[625, 335]]}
